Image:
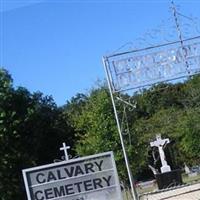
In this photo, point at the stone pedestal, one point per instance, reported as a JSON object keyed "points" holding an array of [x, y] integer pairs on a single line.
{"points": [[169, 179], [165, 168]]}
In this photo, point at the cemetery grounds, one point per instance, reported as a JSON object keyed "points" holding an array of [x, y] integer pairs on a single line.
{"points": [[190, 190]]}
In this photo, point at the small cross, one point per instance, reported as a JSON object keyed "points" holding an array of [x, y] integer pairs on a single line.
{"points": [[64, 148]]}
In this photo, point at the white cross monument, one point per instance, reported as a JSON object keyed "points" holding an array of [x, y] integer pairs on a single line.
{"points": [[159, 142], [65, 148]]}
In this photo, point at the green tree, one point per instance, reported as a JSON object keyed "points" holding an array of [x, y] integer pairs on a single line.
{"points": [[95, 125], [163, 109], [32, 129], [190, 133]]}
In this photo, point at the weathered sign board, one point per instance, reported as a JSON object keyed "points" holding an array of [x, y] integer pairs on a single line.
{"points": [[88, 178], [140, 68]]}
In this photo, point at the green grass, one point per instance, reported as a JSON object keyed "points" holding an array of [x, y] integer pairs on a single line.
{"points": [[187, 179]]}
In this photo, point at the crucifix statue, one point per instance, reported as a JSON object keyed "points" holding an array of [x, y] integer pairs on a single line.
{"points": [[65, 148], [159, 142]]}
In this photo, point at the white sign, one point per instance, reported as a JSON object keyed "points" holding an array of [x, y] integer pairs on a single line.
{"points": [[132, 70], [88, 178]]}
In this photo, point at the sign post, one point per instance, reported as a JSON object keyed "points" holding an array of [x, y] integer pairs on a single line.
{"points": [[88, 178]]}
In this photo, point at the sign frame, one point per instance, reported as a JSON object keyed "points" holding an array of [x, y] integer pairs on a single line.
{"points": [[25, 173], [146, 67]]}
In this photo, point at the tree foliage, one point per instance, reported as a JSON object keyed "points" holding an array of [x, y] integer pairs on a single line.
{"points": [[31, 130], [171, 110]]}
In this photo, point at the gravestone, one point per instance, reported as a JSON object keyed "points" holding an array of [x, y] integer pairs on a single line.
{"points": [[160, 143], [168, 177], [187, 169], [189, 172]]}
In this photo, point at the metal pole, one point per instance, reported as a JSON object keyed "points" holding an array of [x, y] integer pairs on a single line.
{"points": [[131, 180]]}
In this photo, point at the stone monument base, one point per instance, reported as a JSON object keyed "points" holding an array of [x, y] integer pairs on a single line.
{"points": [[169, 179]]}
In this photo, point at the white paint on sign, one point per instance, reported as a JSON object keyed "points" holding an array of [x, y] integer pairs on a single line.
{"points": [[90, 178]]}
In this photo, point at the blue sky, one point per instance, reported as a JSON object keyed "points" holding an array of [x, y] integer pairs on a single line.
{"points": [[56, 46]]}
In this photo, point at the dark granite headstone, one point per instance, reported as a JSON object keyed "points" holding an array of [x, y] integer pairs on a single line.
{"points": [[169, 179]]}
